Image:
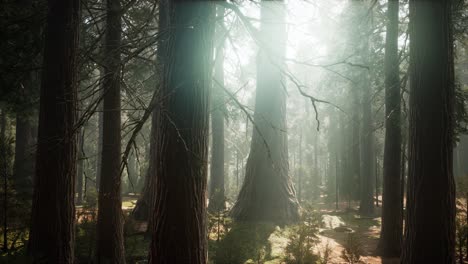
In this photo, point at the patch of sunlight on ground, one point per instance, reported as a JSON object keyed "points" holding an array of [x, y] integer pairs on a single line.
{"points": [[278, 241], [128, 203], [332, 221]]}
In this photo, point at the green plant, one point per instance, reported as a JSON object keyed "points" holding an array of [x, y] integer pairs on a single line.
{"points": [[353, 249], [303, 238]]}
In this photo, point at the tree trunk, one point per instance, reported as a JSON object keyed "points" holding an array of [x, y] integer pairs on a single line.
{"points": [[217, 124], [390, 234], [179, 214], [430, 219], [145, 203], [53, 209], [110, 243], [80, 167], [4, 174], [99, 137], [356, 144], [267, 193], [23, 167], [366, 206]]}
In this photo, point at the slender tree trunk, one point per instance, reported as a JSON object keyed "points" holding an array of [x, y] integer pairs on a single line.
{"points": [[51, 237], [366, 206], [430, 219], [403, 185], [217, 124], [179, 214], [390, 234], [4, 172], [268, 193], [23, 167], [110, 243], [299, 172], [145, 203], [356, 144], [80, 169], [376, 171], [99, 137]]}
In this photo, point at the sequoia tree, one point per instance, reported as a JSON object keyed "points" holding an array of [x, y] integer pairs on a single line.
{"points": [[390, 235], [53, 210], [267, 193], [430, 218], [179, 214], [110, 242]]}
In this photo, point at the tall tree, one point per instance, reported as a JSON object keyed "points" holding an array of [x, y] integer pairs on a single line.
{"points": [[391, 231], [53, 209], [80, 166], [145, 203], [110, 243], [366, 205], [217, 122], [179, 214], [267, 192], [430, 218]]}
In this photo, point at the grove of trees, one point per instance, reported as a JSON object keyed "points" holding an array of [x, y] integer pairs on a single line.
{"points": [[250, 131]]}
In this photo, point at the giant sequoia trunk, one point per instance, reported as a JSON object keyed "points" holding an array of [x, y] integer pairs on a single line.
{"points": [[110, 244], [267, 193], [179, 214], [430, 219], [390, 235], [53, 210], [217, 125]]}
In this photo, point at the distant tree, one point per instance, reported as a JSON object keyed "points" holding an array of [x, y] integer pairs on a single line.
{"points": [[51, 237], [179, 212], [217, 122], [110, 241], [366, 205], [267, 193], [430, 218], [391, 231]]}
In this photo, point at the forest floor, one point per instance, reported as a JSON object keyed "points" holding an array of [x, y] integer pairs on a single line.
{"points": [[338, 224], [264, 243]]}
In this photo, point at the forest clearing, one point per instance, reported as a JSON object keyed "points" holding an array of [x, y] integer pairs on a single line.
{"points": [[234, 131]]}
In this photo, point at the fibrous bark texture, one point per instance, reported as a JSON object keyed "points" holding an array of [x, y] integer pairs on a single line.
{"points": [[53, 209], [179, 214], [391, 232], [143, 208], [109, 236], [430, 218], [267, 193]]}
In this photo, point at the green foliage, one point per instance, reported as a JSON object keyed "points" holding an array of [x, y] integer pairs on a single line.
{"points": [[352, 249], [85, 232], [245, 241], [461, 235], [218, 225], [303, 238]]}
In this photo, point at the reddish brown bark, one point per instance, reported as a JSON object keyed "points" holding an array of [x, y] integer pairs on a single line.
{"points": [[53, 209], [430, 218], [179, 215]]}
